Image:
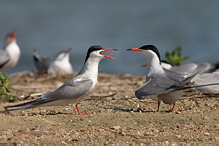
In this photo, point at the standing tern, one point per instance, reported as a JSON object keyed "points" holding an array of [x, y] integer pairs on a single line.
{"points": [[75, 89], [10, 53], [61, 64], [168, 86]]}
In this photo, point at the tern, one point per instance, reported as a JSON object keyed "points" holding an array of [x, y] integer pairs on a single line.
{"points": [[167, 85], [59, 65], [73, 90], [10, 54]]}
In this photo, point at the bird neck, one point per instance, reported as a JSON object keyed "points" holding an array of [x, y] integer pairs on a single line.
{"points": [[154, 65], [90, 69], [66, 58], [13, 49], [10, 41]]}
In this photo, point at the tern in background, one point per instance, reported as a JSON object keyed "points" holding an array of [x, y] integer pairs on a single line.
{"points": [[75, 89], [10, 54], [60, 65], [192, 67], [168, 86]]}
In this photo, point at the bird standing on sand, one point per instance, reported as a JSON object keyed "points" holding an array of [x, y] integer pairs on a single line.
{"points": [[168, 86], [10, 53], [75, 89], [60, 65]]}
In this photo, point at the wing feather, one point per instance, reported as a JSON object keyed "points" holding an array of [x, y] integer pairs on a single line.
{"points": [[4, 58], [70, 90]]}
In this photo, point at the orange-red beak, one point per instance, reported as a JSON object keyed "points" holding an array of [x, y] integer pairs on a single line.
{"points": [[13, 34], [108, 56], [134, 49], [67, 51]]}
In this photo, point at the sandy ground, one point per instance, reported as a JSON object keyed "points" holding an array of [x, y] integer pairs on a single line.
{"points": [[114, 116]]}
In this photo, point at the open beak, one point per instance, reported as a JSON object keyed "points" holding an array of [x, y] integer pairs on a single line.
{"points": [[145, 65], [108, 56], [13, 34], [67, 51], [134, 49]]}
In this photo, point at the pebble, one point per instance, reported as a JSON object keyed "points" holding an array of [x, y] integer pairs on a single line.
{"points": [[217, 138], [115, 127], [206, 134]]}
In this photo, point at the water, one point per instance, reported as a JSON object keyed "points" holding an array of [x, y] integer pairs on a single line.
{"points": [[51, 26]]}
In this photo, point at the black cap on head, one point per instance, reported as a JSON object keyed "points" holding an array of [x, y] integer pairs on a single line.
{"points": [[91, 49], [151, 47]]}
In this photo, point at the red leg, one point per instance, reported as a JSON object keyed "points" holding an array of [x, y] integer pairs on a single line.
{"points": [[79, 113], [158, 106], [171, 110]]}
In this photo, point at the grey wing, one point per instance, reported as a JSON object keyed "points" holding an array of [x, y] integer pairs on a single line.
{"points": [[42, 63], [4, 58], [205, 68], [185, 69], [155, 86], [70, 90], [176, 77]]}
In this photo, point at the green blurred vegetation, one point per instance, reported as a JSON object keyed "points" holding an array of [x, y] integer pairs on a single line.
{"points": [[5, 88], [175, 58]]}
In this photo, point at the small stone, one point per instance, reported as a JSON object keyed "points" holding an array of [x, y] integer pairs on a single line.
{"points": [[65, 109], [115, 127], [206, 134], [155, 130], [206, 104], [214, 108], [178, 112], [205, 117]]}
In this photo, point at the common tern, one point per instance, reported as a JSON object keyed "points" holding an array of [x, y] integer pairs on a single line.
{"points": [[168, 86], [10, 53], [73, 90], [61, 64]]}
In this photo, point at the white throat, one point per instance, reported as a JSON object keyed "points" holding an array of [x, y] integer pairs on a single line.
{"points": [[153, 64], [90, 69], [14, 53]]}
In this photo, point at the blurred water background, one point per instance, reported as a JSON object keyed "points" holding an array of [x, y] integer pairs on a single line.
{"points": [[55, 25]]}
